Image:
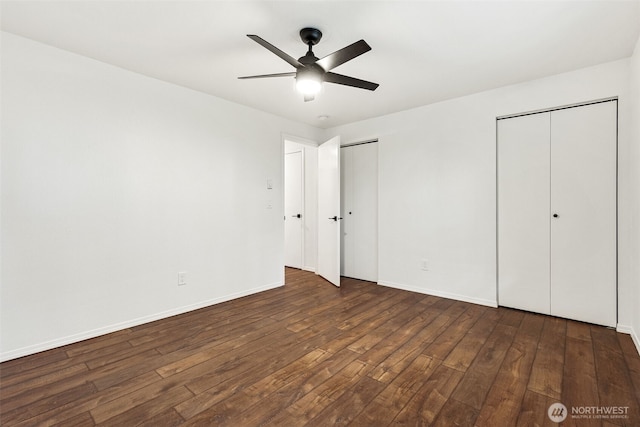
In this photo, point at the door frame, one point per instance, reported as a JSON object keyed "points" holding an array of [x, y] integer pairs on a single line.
{"points": [[302, 204], [307, 144], [377, 207]]}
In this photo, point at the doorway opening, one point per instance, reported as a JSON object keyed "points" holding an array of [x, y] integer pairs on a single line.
{"points": [[300, 203]]}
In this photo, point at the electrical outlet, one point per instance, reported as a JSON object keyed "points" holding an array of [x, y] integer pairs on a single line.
{"points": [[424, 265], [182, 278]]}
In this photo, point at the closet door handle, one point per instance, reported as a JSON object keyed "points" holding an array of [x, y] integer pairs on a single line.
{"points": [[555, 215], [296, 216], [335, 218]]}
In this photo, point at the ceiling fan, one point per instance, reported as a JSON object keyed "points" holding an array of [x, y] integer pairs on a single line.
{"points": [[311, 72]]}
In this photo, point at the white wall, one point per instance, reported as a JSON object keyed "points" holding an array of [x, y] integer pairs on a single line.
{"points": [[437, 175], [635, 192], [112, 183], [310, 214]]}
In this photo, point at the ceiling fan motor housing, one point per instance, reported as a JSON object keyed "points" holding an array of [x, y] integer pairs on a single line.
{"points": [[310, 36]]}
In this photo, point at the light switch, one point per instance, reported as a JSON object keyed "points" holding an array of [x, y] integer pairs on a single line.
{"points": [[269, 184]]}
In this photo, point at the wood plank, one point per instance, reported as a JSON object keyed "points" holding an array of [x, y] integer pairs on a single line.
{"points": [[632, 360], [83, 419], [448, 339], [148, 410], [579, 386], [578, 330], [244, 380], [615, 388], [314, 402], [63, 412], [426, 404], [37, 387], [478, 379], [166, 418], [548, 366], [398, 360], [37, 360], [393, 398], [533, 411], [26, 411], [288, 373], [124, 403], [308, 387], [456, 413], [408, 332], [375, 336], [465, 351], [341, 411], [503, 402]]}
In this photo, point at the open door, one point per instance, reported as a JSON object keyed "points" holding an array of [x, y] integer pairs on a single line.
{"points": [[329, 210]]}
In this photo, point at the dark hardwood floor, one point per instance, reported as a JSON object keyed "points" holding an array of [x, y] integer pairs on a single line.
{"points": [[312, 354]]}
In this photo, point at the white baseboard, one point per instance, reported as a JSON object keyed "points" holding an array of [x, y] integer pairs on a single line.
{"points": [[634, 336], [309, 269], [48, 345], [464, 298], [626, 329], [636, 340]]}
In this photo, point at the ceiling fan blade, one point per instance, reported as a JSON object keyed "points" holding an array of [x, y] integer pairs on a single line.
{"points": [[349, 81], [308, 98], [290, 59], [343, 55], [262, 76]]}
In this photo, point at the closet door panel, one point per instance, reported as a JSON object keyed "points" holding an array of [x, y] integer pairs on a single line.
{"points": [[365, 211], [583, 196], [346, 204], [523, 212]]}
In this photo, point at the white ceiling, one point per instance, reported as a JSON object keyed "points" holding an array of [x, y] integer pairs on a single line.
{"points": [[423, 51]]}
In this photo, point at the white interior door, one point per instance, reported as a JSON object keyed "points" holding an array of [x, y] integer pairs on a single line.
{"points": [[524, 212], [293, 203], [329, 210], [346, 227], [359, 203], [583, 196]]}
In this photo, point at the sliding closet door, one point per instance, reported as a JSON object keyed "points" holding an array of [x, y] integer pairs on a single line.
{"points": [[583, 196], [523, 212]]}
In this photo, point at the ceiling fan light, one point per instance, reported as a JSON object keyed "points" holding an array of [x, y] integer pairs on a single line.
{"points": [[308, 87], [308, 82]]}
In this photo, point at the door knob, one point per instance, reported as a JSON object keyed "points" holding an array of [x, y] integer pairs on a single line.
{"points": [[296, 216], [335, 218], [555, 215]]}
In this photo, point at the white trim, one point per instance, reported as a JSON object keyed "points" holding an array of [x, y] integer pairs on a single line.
{"points": [[561, 107], [486, 302], [636, 340], [300, 150], [309, 269], [625, 329], [48, 345], [299, 140]]}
